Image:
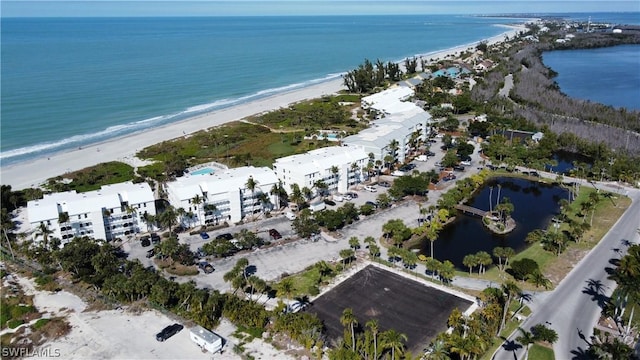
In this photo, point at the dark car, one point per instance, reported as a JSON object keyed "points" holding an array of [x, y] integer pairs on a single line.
{"points": [[430, 153], [155, 238], [275, 234], [204, 235], [146, 241], [458, 168], [225, 236], [168, 332], [384, 184], [206, 267], [353, 195], [329, 202], [151, 252], [374, 204]]}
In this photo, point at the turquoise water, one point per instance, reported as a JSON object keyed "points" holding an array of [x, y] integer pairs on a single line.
{"points": [[610, 76], [203, 171], [68, 82]]}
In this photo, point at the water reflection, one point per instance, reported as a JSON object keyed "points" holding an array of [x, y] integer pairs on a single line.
{"points": [[534, 206]]}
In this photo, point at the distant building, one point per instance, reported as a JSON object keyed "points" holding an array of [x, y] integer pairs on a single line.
{"points": [[112, 212], [339, 167], [389, 101], [404, 129], [223, 195]]}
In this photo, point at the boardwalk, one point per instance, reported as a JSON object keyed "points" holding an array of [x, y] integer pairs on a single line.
{"points": [[471, 210]]}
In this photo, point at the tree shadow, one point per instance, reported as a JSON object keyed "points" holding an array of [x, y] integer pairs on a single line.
{"points": [[580, 354], [626, 242], [510, 345], [595, 289], [250, 270]]}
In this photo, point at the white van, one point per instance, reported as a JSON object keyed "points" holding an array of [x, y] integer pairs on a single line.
{"points": [[370, 188], [338, 198], [291, 216]]}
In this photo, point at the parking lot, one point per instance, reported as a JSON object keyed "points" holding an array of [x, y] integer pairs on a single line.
{"points": [[397, 302]]}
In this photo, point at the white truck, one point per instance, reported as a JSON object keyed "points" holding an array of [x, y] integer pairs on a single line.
{"points": [[317, 206]]}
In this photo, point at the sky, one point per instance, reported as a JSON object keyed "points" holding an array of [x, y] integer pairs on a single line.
{"points": [[101, 8]]}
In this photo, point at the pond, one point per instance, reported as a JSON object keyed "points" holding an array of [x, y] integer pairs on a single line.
{"points": [[535, 204], [565, 161]]}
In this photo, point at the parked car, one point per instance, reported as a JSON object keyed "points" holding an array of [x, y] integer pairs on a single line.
{"points": [[151, 252], [338, 198], [329, 202], [458, 168], [225, 236], [275, 234], [295, 306], [146, 241], [385, 184], [206, 267], [370, 188], [290, 215], [168, 332], [353, 195], [204, 235], [422, 158], [155, 238], [374, 204]]}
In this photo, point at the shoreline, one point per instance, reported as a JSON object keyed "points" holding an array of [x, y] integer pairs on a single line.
{"points": [[33, 173]]}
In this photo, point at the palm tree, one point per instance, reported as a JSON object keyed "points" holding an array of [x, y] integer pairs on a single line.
{"points": [[470, 261], [374, 328], [296, 195], [285, 288], [348, 319], [354, 170], [63, 218], [437, 351], [197, 200], [335, 172], [394, 341], [44, 231], [526, 339], [509, 289], [251, 185]]}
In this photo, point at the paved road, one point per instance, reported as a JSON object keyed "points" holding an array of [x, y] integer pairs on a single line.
{"points": [[573, 308]]}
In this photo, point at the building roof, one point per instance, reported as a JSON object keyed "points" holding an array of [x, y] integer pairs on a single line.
{"points": [[220, 181], [384, 99], [382, 131], [108, 196], [321, 159], [132, 193]]}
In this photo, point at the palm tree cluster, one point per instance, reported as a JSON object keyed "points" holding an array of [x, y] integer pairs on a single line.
{"points": [[368, 342], [621, 307], [368, 76]]}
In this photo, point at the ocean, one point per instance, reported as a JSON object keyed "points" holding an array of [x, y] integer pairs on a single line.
{"points": [[68, 82]]}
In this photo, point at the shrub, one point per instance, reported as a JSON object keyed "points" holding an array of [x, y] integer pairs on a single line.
{"points": [[520, 269]]}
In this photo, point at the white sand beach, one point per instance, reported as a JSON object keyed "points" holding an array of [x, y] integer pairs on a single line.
{"points": [[35, 172]]}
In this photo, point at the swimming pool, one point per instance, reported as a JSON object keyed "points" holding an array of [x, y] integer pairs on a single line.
{"points": [[203, 171]]}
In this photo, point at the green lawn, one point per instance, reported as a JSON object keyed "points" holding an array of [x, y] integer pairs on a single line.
{"points": [[539, 352]]}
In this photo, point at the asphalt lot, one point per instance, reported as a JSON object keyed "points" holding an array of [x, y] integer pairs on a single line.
{"points": [[397, 302]]}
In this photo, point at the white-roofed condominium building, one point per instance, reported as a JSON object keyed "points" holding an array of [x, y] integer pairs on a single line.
{"points": [[337, 167], [224, 195], [112, 212]]}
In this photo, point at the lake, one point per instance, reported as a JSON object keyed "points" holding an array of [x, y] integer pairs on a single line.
{"points": [[534, 205]]}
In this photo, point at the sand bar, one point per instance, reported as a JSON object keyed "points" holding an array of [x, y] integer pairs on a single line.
{"points": [[35, 172]]}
